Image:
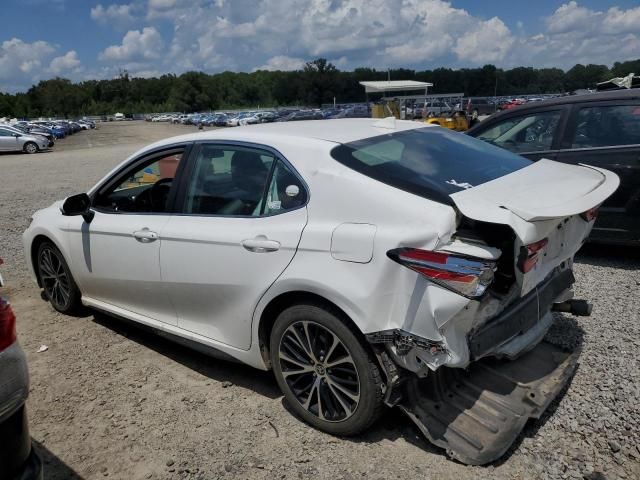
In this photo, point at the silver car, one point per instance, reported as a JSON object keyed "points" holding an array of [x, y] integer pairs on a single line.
{"points": [[12, 140]]}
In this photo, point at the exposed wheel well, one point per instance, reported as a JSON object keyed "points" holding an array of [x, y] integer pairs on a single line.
{"points": [[35, 245], [288, 299]]}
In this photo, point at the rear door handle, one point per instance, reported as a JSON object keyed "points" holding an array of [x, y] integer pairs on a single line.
{"points": [[145, 235], [261, 244]]}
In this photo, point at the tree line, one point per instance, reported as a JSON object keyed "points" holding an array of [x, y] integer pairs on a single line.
{"points": [[317, 83]]}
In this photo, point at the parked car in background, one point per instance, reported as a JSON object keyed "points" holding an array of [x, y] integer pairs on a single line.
{"points": [[357, 111], [511, 104], [474, 107], [18, 460], [234, 120], [353, 257], [599, 129], [12, 139], [302, 115], [221, 120], [251, 118], [35, 130], [436, 108]]}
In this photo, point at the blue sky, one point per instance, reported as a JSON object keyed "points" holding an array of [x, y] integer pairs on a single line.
{"points": [[85, 39]]}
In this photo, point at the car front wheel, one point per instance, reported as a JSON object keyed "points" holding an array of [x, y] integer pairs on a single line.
{"points": [[324, 371], [57, 282], [30, 147]]}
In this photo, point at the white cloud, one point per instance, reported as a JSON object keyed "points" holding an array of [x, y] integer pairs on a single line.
{"points": [[136, 45], [283, 63], [622, 21], [489, 42], [66, 63], [571, 16], [118, 14], [21, 62], [246, 35], [577, 34]]}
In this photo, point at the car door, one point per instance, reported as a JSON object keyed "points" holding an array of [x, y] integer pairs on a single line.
{"points": [[116, 257], [607, 135], [532, 134], [243, 212], [8, 140]]}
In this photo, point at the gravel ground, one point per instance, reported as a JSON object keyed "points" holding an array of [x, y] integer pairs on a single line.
{"points": [[109, 400]]}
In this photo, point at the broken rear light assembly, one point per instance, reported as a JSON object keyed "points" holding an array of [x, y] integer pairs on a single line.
{"points": [[465, 275], [529, 255]]}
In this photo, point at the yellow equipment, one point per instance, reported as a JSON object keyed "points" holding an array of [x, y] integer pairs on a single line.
{"points": [[458, 121], [384, 110]]}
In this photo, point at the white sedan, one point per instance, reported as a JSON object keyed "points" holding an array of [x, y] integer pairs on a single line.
{"points": [[367, 262]]}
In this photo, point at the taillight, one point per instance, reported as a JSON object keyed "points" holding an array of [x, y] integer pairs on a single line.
{"points": [[529, 255], [7, 325], [467, 276], [590, 214]]}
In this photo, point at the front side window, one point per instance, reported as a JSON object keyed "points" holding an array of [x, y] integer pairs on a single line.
{"points": [[526, 133], [607, 126], [144, 190]]}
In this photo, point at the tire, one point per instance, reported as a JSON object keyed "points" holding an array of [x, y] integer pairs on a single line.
{"points": [[59, 287], [30, 147], [340, 394]]}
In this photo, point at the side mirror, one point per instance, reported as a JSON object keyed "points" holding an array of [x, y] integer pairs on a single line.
{"points": [[79, 204], [17, 135]]}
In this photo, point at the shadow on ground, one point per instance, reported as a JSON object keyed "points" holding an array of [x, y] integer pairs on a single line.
{"points": [[54, 468], [219, 369], [622, 257], [392, 426]]}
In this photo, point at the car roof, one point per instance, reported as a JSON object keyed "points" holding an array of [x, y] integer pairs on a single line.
{"points": [[343, 130], [626, 94]]}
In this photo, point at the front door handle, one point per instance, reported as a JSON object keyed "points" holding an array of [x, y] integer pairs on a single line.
{"points": [[145, 235], [260, 244]]}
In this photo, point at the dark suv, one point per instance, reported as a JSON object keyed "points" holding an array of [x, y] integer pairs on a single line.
{"points": [[477, 106], [599, 129]]}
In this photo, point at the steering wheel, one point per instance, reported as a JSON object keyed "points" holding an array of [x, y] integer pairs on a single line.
{"points": [[158, 194]]}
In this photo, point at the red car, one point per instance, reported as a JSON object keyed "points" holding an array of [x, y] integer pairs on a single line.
{"points": [[511, 104]]}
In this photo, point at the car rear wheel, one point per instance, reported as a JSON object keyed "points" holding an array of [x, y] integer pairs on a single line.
{"points": [[30, 147], [57, 282], [324, 372]]}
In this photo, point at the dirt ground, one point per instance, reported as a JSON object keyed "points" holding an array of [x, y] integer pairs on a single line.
{"points": [[110, 400]]}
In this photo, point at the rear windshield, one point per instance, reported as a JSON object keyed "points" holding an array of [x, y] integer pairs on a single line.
{"points": [[432, 162]]}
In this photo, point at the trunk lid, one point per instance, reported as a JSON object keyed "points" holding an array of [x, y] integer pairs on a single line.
{"points": [[541, 202], [545, 190]]}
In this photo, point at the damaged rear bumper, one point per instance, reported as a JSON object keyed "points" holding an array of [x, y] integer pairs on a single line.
{"points": [[476, 414]]}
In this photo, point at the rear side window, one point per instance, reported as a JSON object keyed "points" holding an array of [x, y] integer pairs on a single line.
{"points": [[607, 126], [431, 162]]}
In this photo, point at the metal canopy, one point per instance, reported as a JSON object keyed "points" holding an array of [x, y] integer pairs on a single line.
{"points": [[394, 86]]}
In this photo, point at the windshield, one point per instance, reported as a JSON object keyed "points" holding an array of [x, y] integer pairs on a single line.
{"points": [[432, 162]]}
